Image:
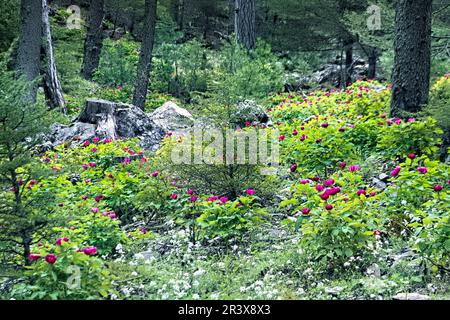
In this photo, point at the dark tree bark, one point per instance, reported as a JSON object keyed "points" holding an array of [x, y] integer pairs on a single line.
{"points": [[245, 22], [373, 58], [29, 50], [347, 73], [178, 13], [52, 86], [94, 39], [411, 75], [145, 58]]}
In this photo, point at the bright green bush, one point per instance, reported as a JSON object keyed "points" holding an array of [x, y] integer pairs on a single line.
{"points": [[65, 270]]}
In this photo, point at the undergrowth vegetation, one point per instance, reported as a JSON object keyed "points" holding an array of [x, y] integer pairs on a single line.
{"points": [[358, 208]]}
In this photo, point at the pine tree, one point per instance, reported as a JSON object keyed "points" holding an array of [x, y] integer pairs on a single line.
{"points": [[412, 45], [145, 59], [94, 39], [21, 125]]}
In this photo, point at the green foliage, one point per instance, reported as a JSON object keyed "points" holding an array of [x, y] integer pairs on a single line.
{"points": [[422, 137], [228, 220], [241, 75], [9, 26], [118, 63], [73, 275], [338, 226]]}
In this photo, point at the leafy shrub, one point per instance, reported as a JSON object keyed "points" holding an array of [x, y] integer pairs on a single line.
{"points": [[118, 63], [337, 218], [421, 137], [438, 108], [240, 75], [65, 270], [228, 220]]}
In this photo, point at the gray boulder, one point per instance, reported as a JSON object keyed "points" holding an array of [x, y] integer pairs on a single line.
{"points": [[106, 119], [248, 111], [172, 118]]}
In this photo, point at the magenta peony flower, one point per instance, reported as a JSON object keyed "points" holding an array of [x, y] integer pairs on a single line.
{"points": [[325, 196], [329, 182], [250, 192], [223, 200], [438, 188], [211, 199], [396, 171], [96, 139], [174, 196], [190, 192], [320, 188], [306, 211], [155, 174], [412, 156], [342, 164], [398, 121], [90, 251], [325, 125], [113, 216], [354, 168], [329, 207], [361, 192], [373, 194], [99, 198], [50, 258], [33, 257], [86, 143], [315, 178], [333, 191], [94, 210], [305, 181], [281, 138], [59, 241], [195, 198], [107, 141], [294, 132], [92, 164], [94, 150], [422, 170], [85, 166], [319, 140], [294, 168]]}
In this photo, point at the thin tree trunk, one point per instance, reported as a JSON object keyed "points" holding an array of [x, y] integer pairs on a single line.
{"points": [[52, 86], [373, 57], [94, 39], [29, 50], [348, 61], [245, 22], [411, 75], [145, 59]]}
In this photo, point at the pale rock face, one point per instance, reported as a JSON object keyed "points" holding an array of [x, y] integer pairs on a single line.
{"points": [[172, 118], [411, 296]]}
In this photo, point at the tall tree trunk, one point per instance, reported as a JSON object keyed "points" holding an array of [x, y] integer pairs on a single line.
{"points": [[411, 75], [94, 39], [245, 22], [145, 58], [29, 50], [52, 86], [373, 58], [348, 61], [178, 10]]}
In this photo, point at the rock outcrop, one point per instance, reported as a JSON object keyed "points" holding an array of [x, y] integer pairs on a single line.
{"points": [[106, 119]]}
